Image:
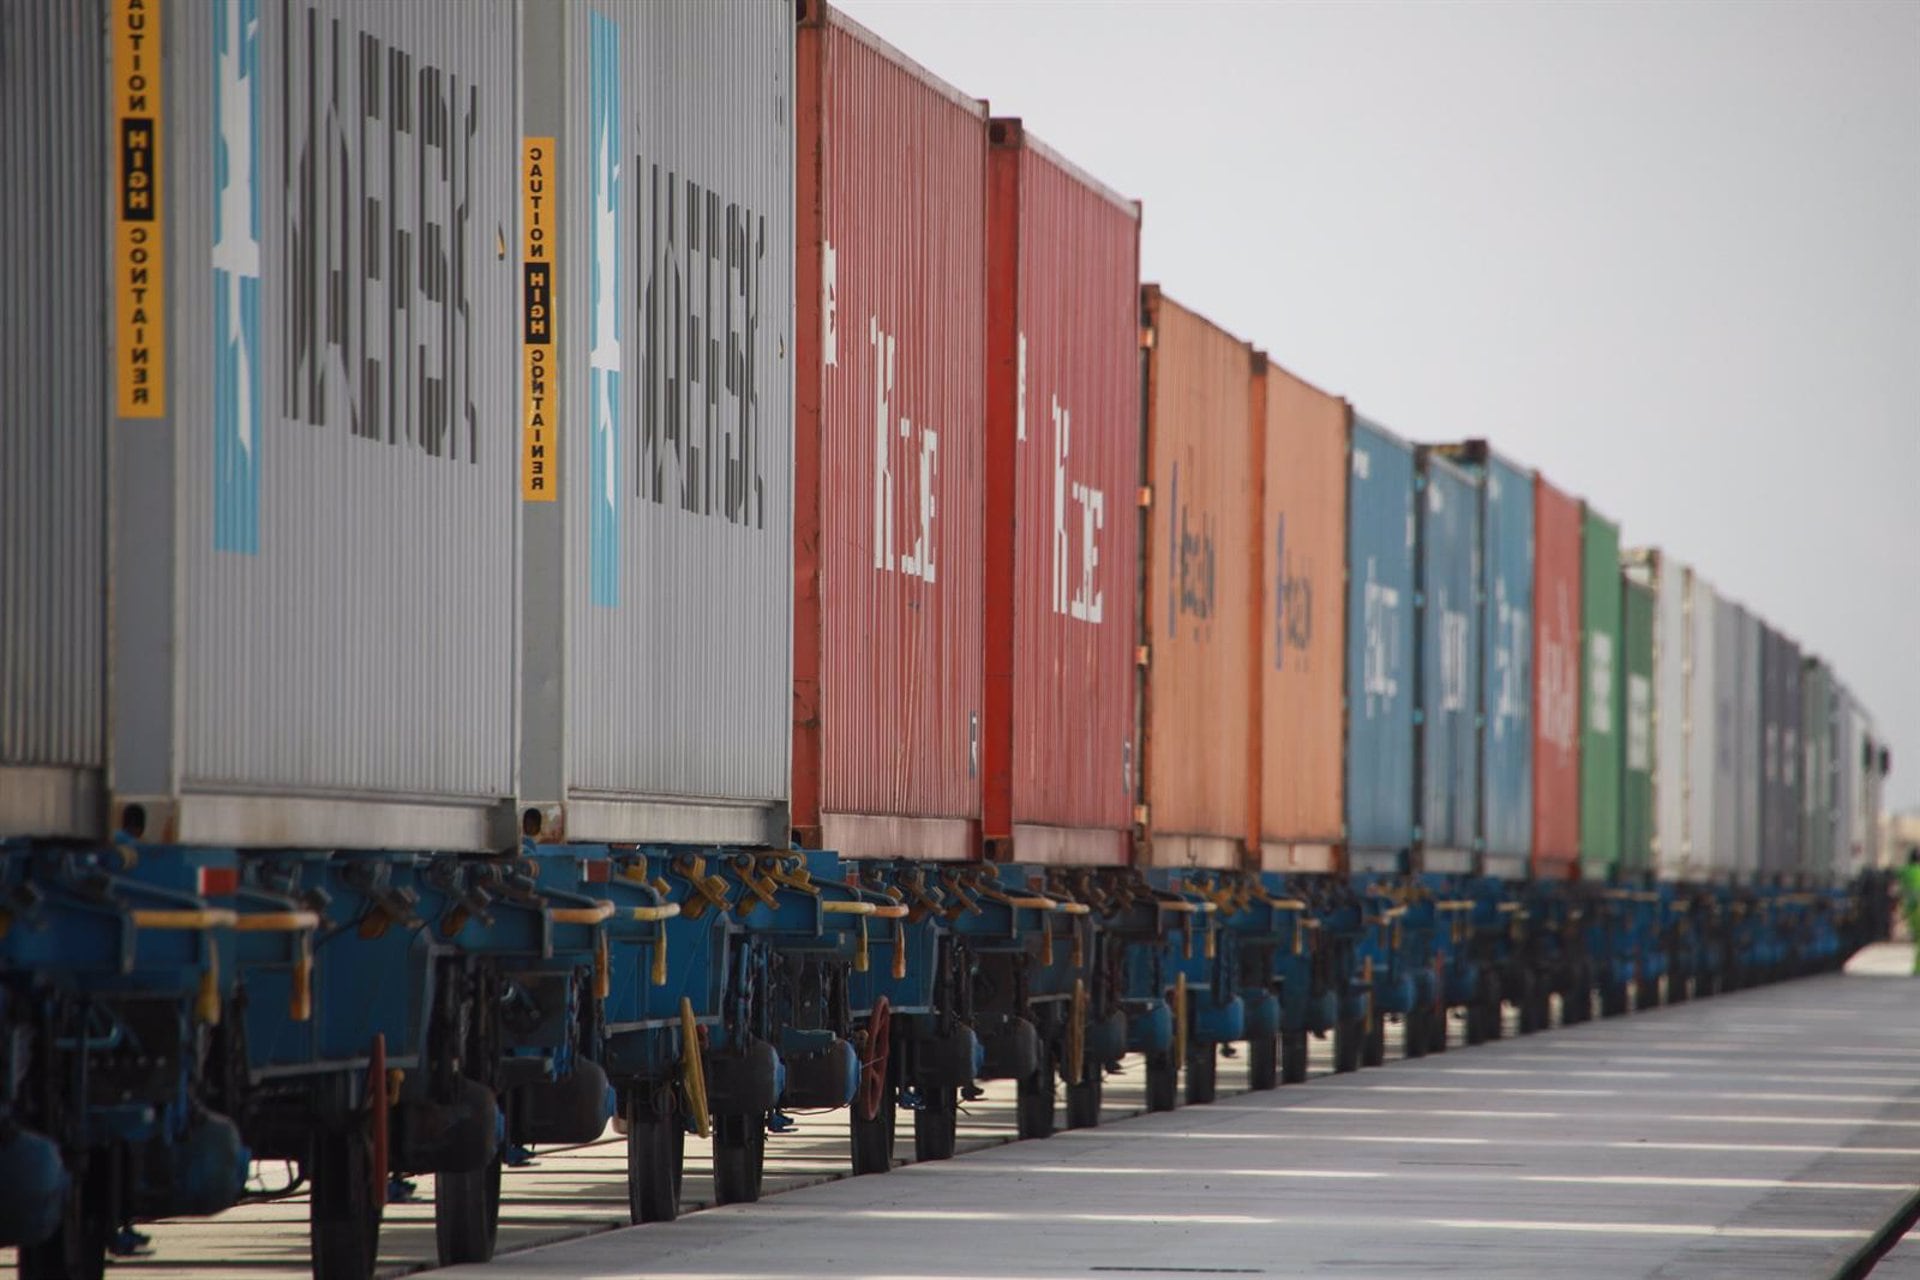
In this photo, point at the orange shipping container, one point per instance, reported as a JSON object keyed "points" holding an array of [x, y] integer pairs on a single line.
{"points": [[1302, 624], [1203, 522], [1556, 681]]}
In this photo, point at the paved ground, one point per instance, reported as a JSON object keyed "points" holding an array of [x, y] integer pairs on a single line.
{"points": [[1763, 1134]]}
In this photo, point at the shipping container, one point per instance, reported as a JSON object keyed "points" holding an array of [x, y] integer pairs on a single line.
{"points": [[292, 360], [1703, 607], [657, 223], [1556, 681], [889, 449], [1303, 622], [1447, 676], [1846, 766], [1062, 534], [1506, 658], [1381, 648], [1736, 719], [1779, 754], [53, 473], [1601, 655], [1203, 465], [1816, 772], [1636, 721]]}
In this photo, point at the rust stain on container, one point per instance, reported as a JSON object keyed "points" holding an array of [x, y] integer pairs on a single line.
{"points": [[1556, 680], [1202, 463], [1301, 624], [889, 428], [1063, 466]]}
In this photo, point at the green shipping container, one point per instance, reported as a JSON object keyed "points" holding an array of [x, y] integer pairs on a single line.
{"points": [[1816, 789], [1600, 704], [1636, 745]]}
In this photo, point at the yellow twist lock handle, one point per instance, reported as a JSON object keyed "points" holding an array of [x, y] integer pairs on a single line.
{"points": [[861, 959], [300, 998], [602, 969], [899, 952], [693, 1073], [659, 974], [1210, 942], [206, 1006]]}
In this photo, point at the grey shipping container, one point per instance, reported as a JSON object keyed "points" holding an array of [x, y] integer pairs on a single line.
{"points": [[1447, 673], [658, 551], [1682, 714], [1736, 693], [1816, 768], [53, 478], [310, 414], [1702, 840], [1780, 754]]}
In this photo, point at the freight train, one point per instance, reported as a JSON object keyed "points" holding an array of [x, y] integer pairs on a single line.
{"points": [[653, 561]]}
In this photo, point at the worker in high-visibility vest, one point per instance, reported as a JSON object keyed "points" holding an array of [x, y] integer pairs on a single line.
{"points": [[1910, 900]]}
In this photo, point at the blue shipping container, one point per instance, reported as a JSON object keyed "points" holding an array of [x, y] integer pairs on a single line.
{"points": [[1506, 668], [1380, 646], [1448, 695]]}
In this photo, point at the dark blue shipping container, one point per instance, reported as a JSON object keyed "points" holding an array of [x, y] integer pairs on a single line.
{"points": [[1380, 648], [1447, 696], [1506, 658]]}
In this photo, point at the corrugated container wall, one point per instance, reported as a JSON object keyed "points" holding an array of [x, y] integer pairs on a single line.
{"points": [[889, 448], [658, 553], [1303, 625], [1063, 473], [1447, 675], [1637, 726], [1736, 695], [1601, 669], [315, 555], [1202, 460], [1506, 659], [1779, 753], [53, 475], [1667, 578], [1701, 837], [1817, 771], [1381, 640], [1851, 752], [1556, 681]]}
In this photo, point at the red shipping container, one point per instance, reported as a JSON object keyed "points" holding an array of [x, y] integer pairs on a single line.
{"points": [[1556, 681], [889, 439], [1063, 470], [1205, 418]]}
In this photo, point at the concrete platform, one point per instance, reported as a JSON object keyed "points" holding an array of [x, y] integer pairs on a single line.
{"points": [[1767, 1133]]}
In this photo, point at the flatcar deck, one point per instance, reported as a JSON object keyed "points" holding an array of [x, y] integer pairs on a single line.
{"points": [[1767, 1133]]}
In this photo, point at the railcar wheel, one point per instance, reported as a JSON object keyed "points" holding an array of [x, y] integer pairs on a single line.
{"points": [[873, 1136], [1203, 1074], [345, 1205], [1034, 1111], [76, 1251], [739, 1157], [656, 1151], [1083, 1100], [935, 1125], [1348, 1035], [1647, 994], [1263, 1063], [1293, 1056], [1414, 1033], [1163, 1078], [1437, 1030], [466, 1214], [1373, 1051]]}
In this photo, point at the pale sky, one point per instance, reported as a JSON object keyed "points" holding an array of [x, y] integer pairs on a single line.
{"points": [[1669, 253]]}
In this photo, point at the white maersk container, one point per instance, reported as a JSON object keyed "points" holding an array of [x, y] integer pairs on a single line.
{"points": [[1683, 738], [272, 271], [658, 549]]}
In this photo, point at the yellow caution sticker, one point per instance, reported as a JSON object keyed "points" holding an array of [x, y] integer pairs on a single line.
{"points": [[538, 381], [139, 258]]}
